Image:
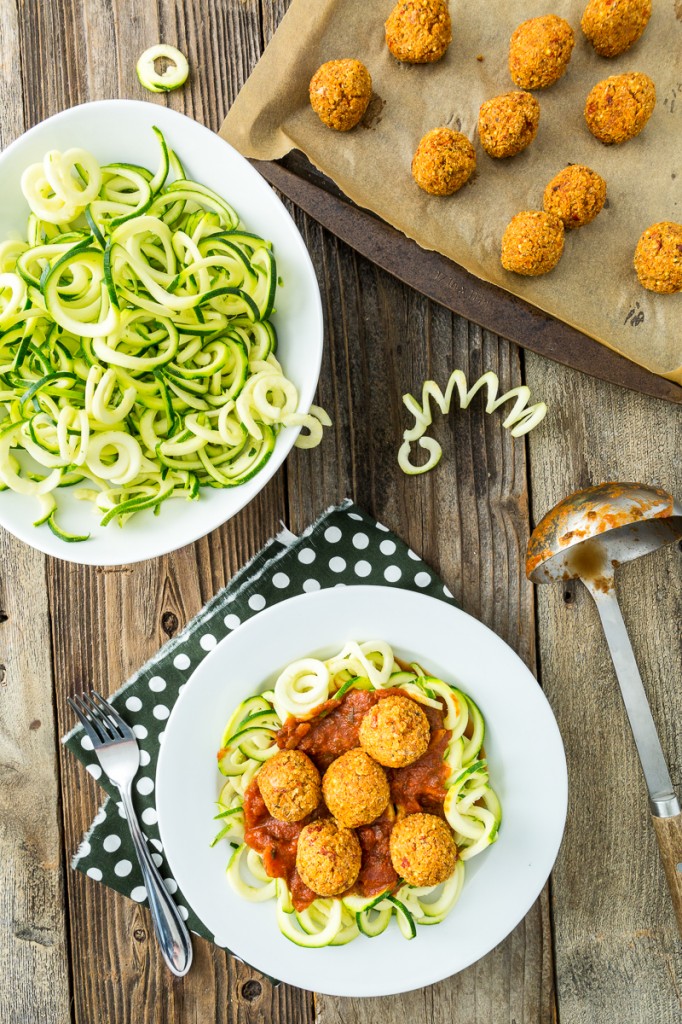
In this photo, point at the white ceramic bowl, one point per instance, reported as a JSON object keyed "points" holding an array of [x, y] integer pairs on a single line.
{"points": [[527, 770], [120, 130]]}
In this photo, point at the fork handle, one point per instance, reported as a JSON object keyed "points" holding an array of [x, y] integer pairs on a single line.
{"points": [[171, 931]]}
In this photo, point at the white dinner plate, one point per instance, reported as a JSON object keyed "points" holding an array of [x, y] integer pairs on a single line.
{"points": [[120, 130], [527, 770]]}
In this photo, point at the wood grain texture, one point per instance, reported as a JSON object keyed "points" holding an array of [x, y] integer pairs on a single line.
{"points": [[618, 954], [669, 837], [469, 520], [33, 929], [34, 969], [34, 972]]}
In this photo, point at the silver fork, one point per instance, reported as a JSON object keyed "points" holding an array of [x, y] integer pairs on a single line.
{"points": [[117, 751]]}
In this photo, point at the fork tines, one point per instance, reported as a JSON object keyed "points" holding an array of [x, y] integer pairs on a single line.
{"points": [[101, 721]]}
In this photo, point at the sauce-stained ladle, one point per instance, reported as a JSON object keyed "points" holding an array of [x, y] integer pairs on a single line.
{"points": [[587, 536]]}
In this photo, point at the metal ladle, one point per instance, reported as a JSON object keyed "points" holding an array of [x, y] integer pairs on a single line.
{"points": [[587, 536]]}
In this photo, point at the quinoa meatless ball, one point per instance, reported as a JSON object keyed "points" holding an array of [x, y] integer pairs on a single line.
{"points": [[290, 786], [443, 162], [419, 31], [423, 849], [339, 93], [328, 857], [539, 51], [612, 26], [395, 731], [575, 195], [533, 243], [355, 788], [508, 123], [618, 107], [658, 257]]}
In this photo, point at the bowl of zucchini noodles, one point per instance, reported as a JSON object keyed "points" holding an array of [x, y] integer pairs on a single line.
{"points": [[500, 746], [160, 333]]}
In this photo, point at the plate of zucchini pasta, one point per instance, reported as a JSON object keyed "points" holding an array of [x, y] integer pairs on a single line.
{"points": [[361, 765]]}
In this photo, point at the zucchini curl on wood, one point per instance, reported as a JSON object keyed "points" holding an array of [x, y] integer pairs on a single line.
{"points": [[521, 419]]}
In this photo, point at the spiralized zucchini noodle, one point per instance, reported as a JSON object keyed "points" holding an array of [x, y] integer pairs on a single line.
{"points": [[522, 418], [471, 807], [172, 76], [137, 354]]}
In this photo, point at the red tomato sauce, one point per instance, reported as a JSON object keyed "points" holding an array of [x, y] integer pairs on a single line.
{"points": [[333, 731]]}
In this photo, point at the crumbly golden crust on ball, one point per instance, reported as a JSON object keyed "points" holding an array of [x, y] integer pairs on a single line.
{"points": [[395, 732], [658, 257], [328, 857], [539, 51], [533, 243], [575, 195], [355, 789], [423, 849], [340, 91], [613, 26], [618, 107], [443, 162], [290, 785], [508, 123], [419, 31]]}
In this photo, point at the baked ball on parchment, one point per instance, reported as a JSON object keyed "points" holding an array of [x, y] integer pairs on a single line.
{"points": [[340, 91], [618, 107], [419, 31], [508, 123], [539, 51], [533, 243], [658, 257], [575, 195], [613, 26], [443, 162]]}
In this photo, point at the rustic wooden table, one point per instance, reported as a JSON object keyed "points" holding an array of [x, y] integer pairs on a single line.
{"points": [[600, 945]]}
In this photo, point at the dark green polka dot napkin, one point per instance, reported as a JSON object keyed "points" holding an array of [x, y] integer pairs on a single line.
{"points": [[344, 547]]}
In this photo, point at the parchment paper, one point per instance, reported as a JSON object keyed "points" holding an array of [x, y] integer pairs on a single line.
{"points": [[594, 287]]}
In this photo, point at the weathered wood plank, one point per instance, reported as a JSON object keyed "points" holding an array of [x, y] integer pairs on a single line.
{"points": [[468, 518], [618, 955], [34, 968]]}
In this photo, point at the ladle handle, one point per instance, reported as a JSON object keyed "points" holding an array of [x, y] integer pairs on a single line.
{"points": [[669, 836]]}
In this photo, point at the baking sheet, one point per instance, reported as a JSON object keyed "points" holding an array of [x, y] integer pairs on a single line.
{"points": [[594, 287]]}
